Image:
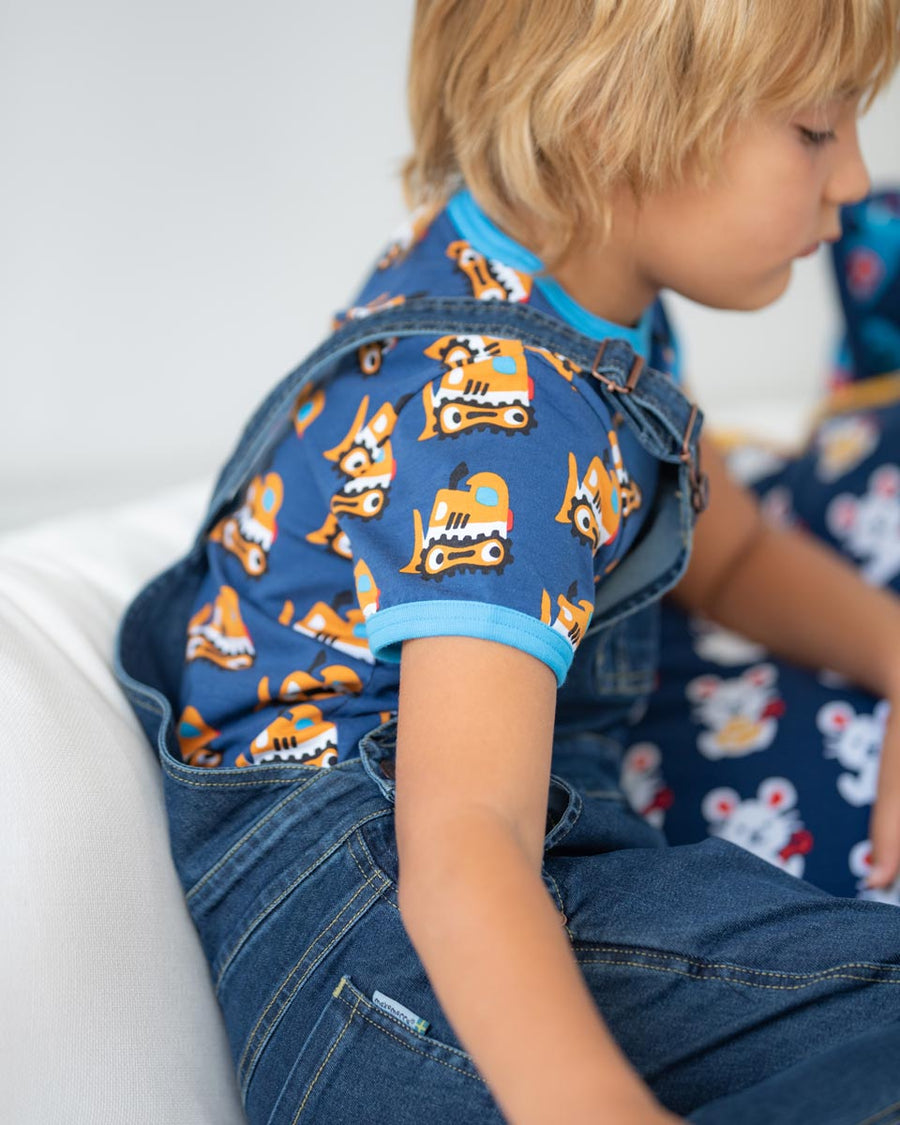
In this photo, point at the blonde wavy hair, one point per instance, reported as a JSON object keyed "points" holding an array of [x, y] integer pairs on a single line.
{"points": [[543, 107]]}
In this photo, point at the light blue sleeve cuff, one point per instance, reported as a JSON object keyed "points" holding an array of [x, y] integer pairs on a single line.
{"points": [[388, 628]]}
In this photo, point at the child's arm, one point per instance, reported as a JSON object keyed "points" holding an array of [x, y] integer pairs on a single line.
{"points": [[801, 599], [787, 590], [473, 763]]}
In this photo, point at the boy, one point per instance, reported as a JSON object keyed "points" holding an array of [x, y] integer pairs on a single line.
{"points": [[486, 499]]}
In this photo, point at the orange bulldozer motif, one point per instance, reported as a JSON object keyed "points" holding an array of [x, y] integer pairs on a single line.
{"points": [[592, 505], [297, 734], [486, 386], [250, 532], [468, 527], [217, 633]]}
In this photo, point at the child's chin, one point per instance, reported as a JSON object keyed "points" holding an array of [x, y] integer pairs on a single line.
{"points": [[774, 294], [751, 298]]}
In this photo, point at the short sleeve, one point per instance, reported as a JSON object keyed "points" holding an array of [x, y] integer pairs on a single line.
{"points": [[499, 498]]}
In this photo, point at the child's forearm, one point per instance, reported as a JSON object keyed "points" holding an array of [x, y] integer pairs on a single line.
{"points": [[807, 604], [496, 952]]}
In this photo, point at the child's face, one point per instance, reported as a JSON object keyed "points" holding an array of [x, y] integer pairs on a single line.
{"points": [[732, 245]]}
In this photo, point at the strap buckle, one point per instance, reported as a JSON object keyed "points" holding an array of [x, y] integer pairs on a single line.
{"points": [[699, 481], [633, 375]]}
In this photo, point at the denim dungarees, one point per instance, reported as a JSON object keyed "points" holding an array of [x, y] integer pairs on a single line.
{"points": [[290, 870]]}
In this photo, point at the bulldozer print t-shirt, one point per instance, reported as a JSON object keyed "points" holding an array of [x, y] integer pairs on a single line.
{"points": [[457, 485]]}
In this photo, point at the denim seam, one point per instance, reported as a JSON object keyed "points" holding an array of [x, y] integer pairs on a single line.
{"points": [[275, 902], [283, 772], [257, 826], [554, 892], [729, 979], [639, 951], [246, 1065], [323, 1064], [409, 1046], [880, 1115], [390, 889], [312, 944], [567, 821]]}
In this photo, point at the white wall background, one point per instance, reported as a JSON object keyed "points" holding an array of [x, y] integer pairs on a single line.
{"points": [[190, 189]]}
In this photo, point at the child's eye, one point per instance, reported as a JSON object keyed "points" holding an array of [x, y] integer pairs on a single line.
{"points": [[815, 138]]}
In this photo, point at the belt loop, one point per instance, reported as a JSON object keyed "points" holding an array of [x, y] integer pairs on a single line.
{"points": [[698, 479], [633, 375]]}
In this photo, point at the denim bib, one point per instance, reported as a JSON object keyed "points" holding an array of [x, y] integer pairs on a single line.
{"points": [[616, 661]]}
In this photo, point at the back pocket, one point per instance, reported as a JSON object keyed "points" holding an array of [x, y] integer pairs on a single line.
{"points": [[362, 1063]]}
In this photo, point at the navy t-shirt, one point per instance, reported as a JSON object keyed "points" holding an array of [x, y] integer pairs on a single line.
{"points": [[435, 485]]}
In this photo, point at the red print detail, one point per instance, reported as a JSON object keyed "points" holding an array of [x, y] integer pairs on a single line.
{"points": [[664, 799], [864, 271], [800, 843]]}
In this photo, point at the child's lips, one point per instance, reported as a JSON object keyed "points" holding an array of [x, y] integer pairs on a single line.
{"points": [[809, 250]]}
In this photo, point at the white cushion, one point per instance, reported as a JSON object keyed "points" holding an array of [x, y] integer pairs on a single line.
{"points": [[108, 1012]]}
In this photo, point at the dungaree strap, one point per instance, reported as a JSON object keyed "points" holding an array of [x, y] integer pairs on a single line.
{"points": [[664, 421]]}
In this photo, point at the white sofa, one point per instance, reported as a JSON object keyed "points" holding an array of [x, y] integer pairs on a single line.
{"points": [[109, 1014]]}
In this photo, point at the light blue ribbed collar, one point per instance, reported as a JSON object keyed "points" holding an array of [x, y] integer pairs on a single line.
{"points": [[488, 239]]}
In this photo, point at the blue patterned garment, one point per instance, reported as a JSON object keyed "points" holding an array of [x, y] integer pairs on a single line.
{"points": [[736, 742], [867, 271], [451, 485]]}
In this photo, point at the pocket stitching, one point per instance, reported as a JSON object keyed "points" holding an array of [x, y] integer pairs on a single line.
{"points": [[361, 1000]]}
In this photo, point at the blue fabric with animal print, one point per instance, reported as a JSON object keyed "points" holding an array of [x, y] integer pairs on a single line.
{"points": [[735, 742], [436, 485], [867, 272]]}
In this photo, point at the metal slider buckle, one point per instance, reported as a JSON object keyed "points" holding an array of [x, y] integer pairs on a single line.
{"points": [[698, 479], [633, 375]]}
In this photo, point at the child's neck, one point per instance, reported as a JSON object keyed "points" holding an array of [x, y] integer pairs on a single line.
{"points": [[606, 283], [605, 279]]}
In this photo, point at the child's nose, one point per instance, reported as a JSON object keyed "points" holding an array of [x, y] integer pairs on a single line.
{"points": [[850, 181]]}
